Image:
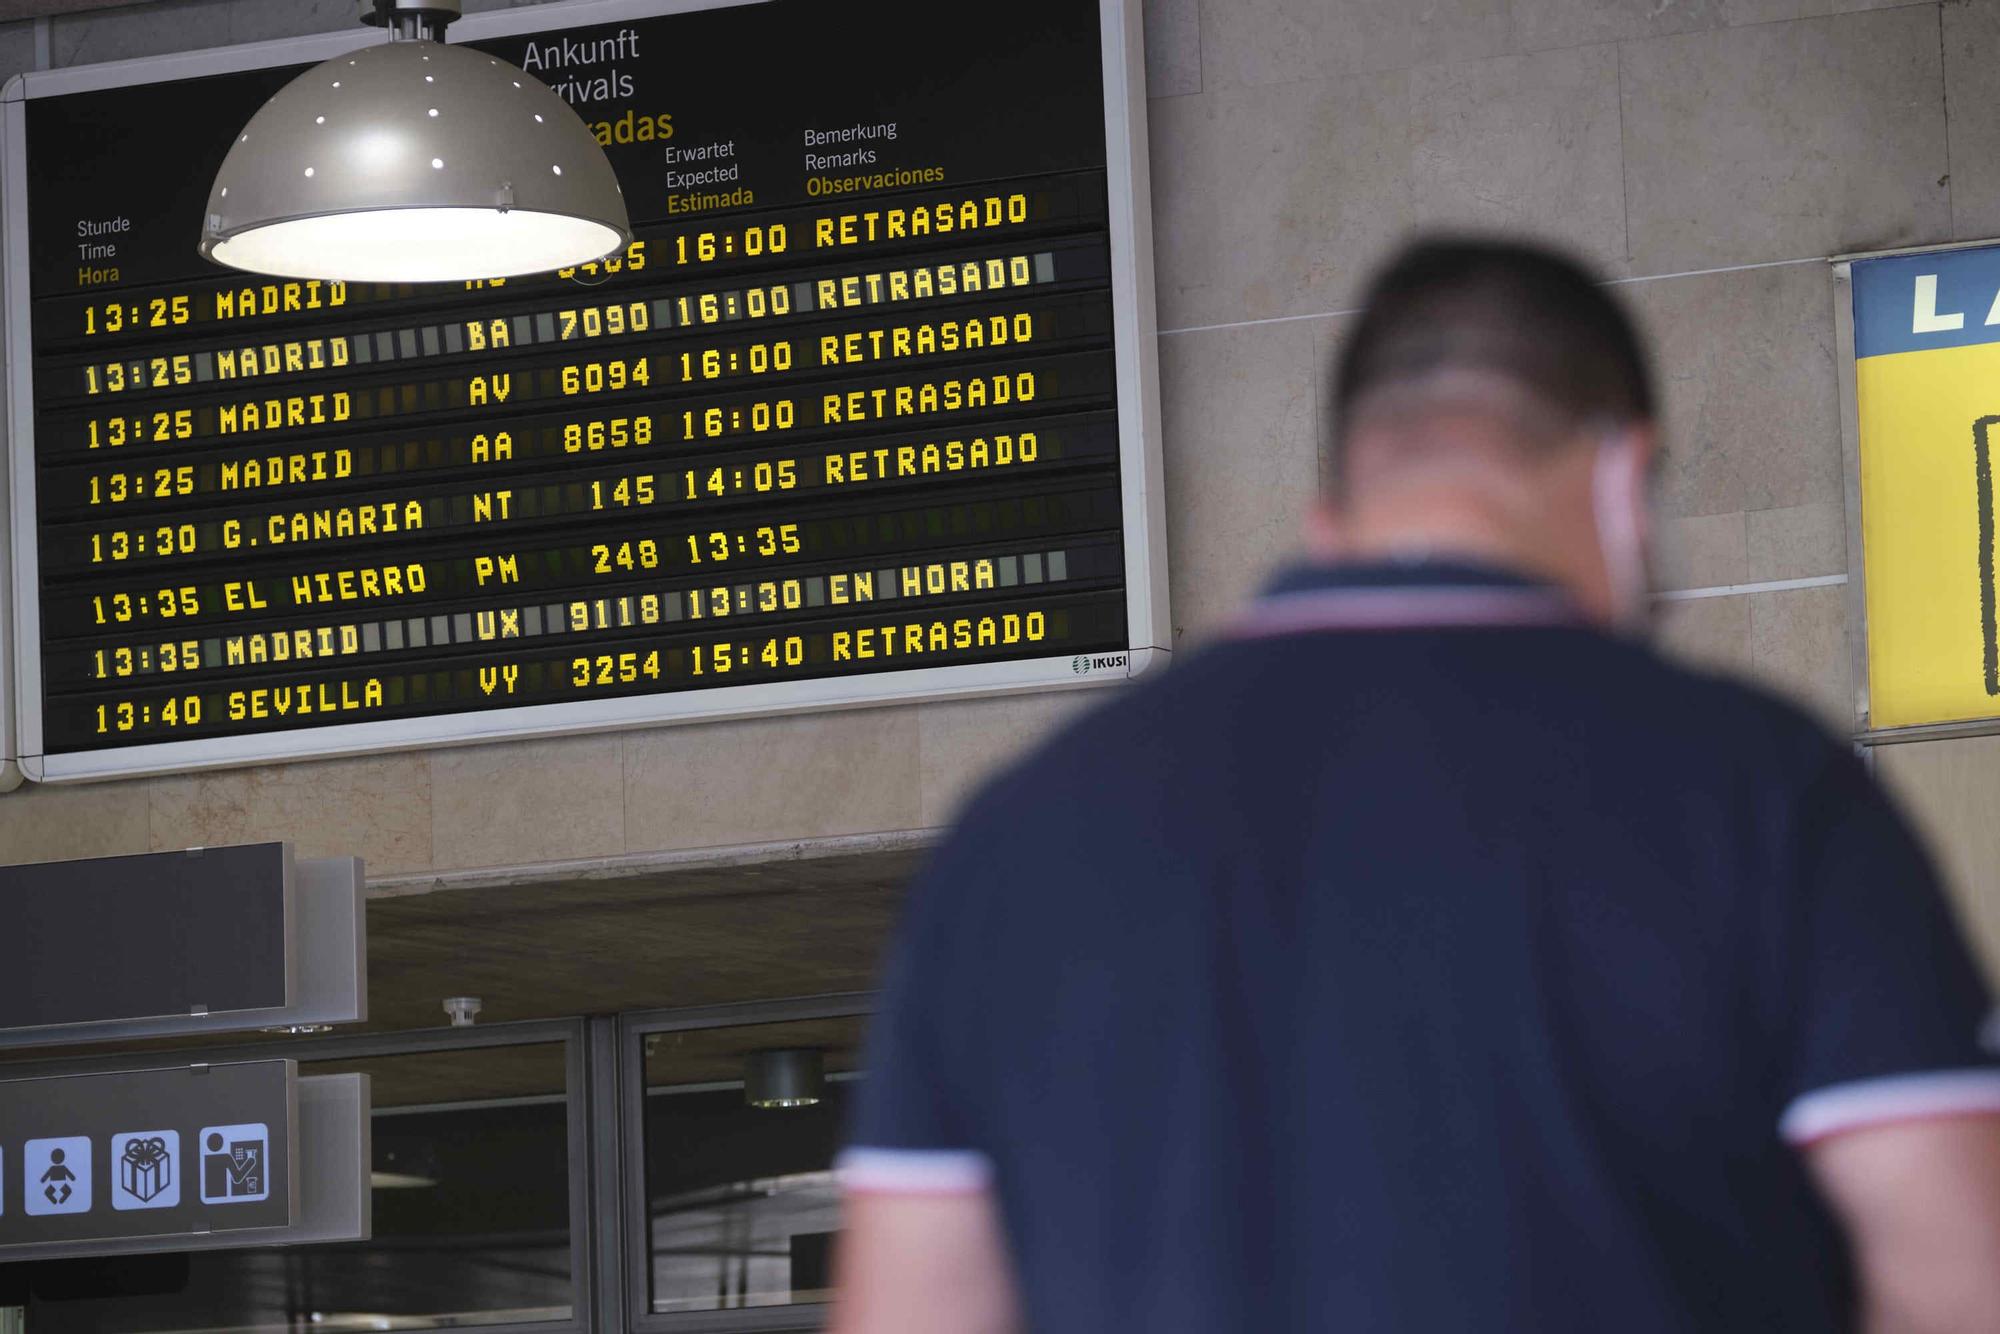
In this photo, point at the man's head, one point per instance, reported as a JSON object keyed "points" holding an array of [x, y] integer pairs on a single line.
{"points": [[1494, 400]]}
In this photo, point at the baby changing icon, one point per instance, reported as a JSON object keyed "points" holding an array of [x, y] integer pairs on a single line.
{"points": [[147, 1165], [235, 1164], [57, 1179]]}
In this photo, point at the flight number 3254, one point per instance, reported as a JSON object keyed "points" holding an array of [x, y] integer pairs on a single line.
{"points": [[614, 669]]}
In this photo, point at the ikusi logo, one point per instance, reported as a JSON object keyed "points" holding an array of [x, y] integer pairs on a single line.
{"points": [[1083, 664]]}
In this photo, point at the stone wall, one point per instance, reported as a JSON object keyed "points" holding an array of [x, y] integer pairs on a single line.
{"points": [[1706, 154]]}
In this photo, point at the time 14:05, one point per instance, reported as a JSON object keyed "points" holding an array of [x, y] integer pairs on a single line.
{"points": [[641, 491]]}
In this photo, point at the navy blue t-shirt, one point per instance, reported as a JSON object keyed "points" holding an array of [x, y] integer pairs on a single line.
{"points": [[1420, 959]]}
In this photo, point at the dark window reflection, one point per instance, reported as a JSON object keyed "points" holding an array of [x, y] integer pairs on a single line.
{"points": [[471, 1197], [742, 1206]]}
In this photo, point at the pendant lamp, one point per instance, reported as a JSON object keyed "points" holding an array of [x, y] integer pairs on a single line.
{"points": [[784, 1077], [413, 161]]}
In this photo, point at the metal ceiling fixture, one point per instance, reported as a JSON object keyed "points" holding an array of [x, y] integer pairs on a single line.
{"points": [[785, 1077], [413, 161]]}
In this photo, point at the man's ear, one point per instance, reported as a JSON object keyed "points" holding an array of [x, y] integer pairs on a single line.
{"points": [[1324, 534], [1645, 443]]}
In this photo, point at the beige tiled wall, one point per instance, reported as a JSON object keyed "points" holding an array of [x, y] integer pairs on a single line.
{"points": [[1948, 786], [1706, 154]]}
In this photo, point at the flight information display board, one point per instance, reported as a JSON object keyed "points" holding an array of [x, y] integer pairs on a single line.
{"points": [[866, 411]]}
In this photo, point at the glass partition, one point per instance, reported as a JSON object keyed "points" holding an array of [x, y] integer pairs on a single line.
{"points": [[741, 1128]]}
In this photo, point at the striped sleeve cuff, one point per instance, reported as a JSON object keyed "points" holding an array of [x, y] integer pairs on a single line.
{"points": [[1877, 1102], [914, 1171]]}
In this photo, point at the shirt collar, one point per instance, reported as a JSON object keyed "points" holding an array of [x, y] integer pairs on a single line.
{"points": [[1393, 595]]}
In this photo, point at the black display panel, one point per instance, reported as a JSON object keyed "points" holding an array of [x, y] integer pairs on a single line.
{"points": [[865, 398], [157, 935]]}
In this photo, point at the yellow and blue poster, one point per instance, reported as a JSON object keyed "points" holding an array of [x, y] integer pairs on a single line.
{"points": [[1927, 389]]}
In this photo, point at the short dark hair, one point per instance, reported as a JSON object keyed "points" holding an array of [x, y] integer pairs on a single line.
{"points": [[1521, 313]]}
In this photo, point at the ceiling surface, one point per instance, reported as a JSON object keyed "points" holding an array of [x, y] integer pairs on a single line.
{"points": [[544, 945], [685, 936], [34, 9]]}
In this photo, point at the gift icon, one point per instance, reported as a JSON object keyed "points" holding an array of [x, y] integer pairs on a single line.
{"points": [[146, 1169]]}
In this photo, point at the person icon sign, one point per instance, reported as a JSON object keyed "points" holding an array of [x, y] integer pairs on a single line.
{"points": [[57, 1176], [57, 1181], [235, 1164]]}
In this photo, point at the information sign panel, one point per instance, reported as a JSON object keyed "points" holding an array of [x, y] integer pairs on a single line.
{"points": [[165, 934], [866, 412], [1927, 399], [93, 1158]]}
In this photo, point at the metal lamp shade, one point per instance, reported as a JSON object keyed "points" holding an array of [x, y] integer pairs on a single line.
{"points": [[787, 1077], [413, 161]]}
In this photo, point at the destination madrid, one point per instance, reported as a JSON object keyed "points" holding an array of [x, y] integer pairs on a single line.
{"points": [[269, 414]]}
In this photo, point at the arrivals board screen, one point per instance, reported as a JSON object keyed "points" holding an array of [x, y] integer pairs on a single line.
{"points": [[866, 410]]}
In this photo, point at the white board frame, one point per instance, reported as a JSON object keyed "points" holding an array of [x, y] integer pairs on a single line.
{"points": [[1142, 482]]}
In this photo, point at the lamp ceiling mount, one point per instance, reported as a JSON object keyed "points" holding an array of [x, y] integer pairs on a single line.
{"points": [[421, 19]]}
